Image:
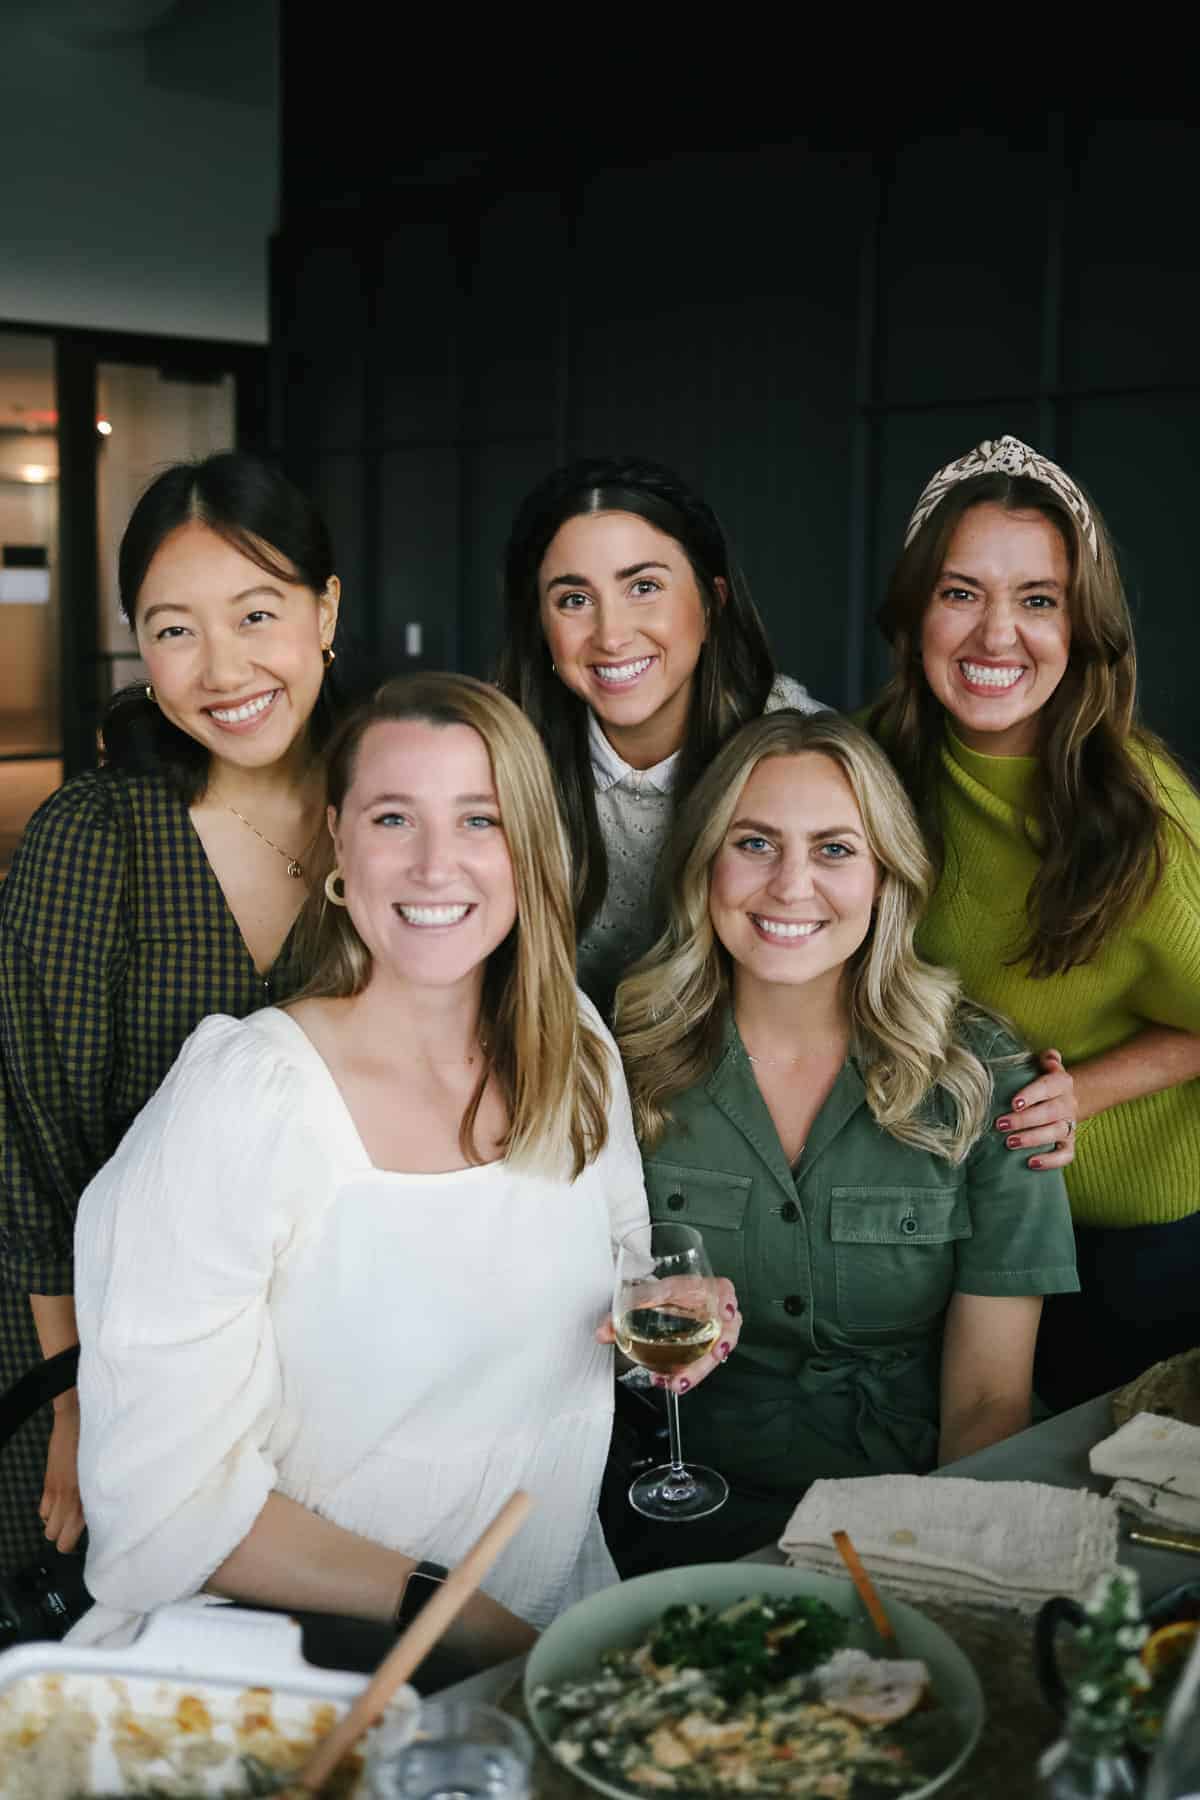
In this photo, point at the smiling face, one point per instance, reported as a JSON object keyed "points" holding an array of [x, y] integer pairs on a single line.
{"points": [[425, 862], [233, 653], [996, 634], [624, 620], [794, 881]]}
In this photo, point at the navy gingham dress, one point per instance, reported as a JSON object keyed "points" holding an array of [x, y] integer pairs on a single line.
{"points": [[115, 941]]}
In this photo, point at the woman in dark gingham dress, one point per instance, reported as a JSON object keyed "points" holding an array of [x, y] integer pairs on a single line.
{"points": [[152, 892]]}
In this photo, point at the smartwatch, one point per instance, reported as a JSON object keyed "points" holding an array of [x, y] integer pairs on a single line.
{"points": [[421, 1585]]}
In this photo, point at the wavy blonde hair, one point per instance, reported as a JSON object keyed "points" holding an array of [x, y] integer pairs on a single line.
{"points": [[906, 1015], [551, 1066]]}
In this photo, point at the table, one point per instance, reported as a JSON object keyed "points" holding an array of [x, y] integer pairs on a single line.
{"points": [[1019, 1724]]}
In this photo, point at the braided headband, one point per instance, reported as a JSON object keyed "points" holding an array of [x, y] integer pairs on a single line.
{"points": [[1006, 456]]}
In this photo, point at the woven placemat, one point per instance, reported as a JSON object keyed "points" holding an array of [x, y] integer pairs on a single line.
{"points": [[1171, 1387]]}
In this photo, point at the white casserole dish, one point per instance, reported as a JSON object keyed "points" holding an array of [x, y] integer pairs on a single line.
{"points": [[144, 1719]]}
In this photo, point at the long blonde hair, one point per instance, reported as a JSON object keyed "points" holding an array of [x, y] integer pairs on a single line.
{"points": [[551, 1067], [906, 1015]]}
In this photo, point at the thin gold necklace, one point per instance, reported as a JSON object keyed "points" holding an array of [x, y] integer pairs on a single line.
{"points": [[295, 867], [777, 1062]]}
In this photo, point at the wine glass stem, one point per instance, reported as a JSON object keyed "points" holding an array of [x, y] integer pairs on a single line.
{"points": [[677, 1468]]}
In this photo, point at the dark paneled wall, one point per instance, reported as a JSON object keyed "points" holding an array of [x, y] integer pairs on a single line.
{"points": [[805, 329]]}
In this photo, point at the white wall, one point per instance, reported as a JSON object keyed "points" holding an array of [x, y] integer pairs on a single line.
{"points": [[138, 169]]}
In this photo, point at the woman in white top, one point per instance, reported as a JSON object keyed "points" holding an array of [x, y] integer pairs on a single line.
{"points": [[632, 643], [339, 1289]]}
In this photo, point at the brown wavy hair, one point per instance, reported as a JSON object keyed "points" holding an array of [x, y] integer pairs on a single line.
{"points": [[1099, 824], [551, 1066]]}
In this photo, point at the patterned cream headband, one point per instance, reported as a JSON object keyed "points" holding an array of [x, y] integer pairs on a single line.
{"points": [[1006, 456]]}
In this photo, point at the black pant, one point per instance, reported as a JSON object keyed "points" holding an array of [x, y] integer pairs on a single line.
{"points": [[1139, 1302]]}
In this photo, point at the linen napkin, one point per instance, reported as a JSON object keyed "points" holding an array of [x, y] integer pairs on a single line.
{"points": [[1155, 1462], [1000, 1543]]}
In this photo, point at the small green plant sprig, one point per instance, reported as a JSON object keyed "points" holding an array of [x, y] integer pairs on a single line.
{"points": [[1110, 1672]]}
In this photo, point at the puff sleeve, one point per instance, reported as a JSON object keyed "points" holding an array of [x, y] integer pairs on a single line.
{"points": [[176, 1242]]}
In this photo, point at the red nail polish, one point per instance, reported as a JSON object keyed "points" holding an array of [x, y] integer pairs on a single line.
{"points": [[660, 1380], [1012, 1142], [1003, 1124], [1018, 1104], [1035, 1162], [723, 1351], [730, 1309], [683, 1386]]}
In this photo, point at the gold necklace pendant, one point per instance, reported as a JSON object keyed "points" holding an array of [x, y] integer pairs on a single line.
{"points": [[294, 867]]}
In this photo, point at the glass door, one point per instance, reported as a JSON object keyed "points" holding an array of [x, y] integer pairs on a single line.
{"points": [[30, 730]]}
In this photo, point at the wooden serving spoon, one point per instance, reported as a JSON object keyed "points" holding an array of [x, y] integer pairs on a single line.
{"points": [[409, 1649], [866, 1588]]}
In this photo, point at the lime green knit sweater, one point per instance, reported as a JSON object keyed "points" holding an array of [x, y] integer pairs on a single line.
{"points": [[1137, 1163]]}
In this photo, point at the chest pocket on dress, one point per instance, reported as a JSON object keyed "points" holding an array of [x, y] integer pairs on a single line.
{"points": [[714, 1203], [893, 1254]]}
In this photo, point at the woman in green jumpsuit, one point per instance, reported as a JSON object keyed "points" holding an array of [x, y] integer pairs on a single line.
{"points": [[818, 1102], [153, 891]]}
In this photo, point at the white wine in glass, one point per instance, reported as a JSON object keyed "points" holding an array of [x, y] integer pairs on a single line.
{"points": [[666, 1317]]}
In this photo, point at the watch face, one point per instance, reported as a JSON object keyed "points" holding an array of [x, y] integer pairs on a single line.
{"points": [[422, 1584]]}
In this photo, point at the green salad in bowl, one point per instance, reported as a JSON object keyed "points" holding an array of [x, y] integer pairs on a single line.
{"points": [[736, 1679]]}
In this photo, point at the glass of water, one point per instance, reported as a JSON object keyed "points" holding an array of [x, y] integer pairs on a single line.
{"points": [[461, 1750]]}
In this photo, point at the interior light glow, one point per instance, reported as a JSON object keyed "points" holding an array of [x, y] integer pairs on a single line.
{"points": [[34, 472], [104, 427]]}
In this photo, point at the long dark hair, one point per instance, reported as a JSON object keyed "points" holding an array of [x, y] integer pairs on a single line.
{"points": [[255, 508], [733, 675], [1098, 822]]}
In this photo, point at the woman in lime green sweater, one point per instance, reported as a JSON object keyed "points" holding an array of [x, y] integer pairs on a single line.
{"points": [[1069, 893]]}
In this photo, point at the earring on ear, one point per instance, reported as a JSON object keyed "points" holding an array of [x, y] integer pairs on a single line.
{"points": [[328, 654], [150, 694], [331, 887]]}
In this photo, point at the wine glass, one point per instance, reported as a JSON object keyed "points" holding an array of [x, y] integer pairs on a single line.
{"points": [[666, 1317]]}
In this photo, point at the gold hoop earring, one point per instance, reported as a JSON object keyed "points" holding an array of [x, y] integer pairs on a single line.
{"points": [[331, 888], [328, 654], [150, 694]]}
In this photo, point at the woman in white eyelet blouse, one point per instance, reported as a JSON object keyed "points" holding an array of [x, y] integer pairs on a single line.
{"points": [[265, 1310], [346, 1283]]}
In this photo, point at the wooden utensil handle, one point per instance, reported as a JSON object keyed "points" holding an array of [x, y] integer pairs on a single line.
{"points": [[416, 1642], [864, 1584]]}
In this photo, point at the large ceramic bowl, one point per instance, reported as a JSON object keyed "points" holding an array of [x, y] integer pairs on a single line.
{"points": [[619, 1616]]}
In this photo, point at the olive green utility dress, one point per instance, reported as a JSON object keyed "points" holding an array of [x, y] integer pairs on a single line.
{"points": [[844, 1267]]}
